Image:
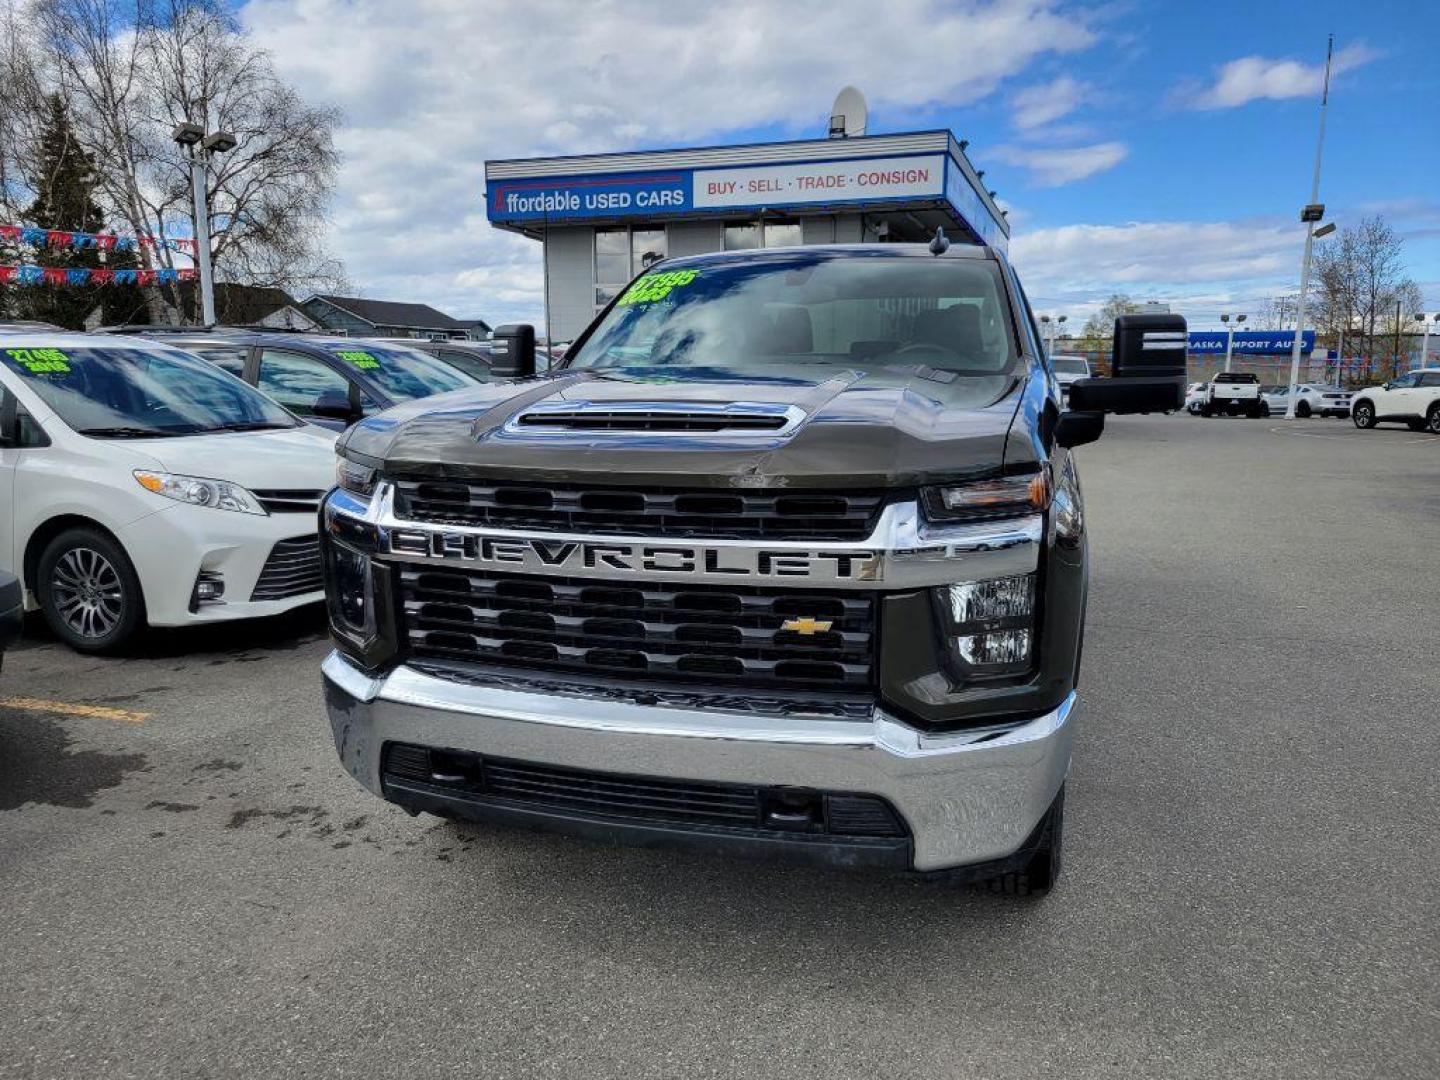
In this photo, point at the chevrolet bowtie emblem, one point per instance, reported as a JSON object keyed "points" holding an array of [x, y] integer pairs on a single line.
{"points": [[807, 625]]}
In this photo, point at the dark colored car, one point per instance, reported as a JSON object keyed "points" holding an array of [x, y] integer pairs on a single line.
{"points": [[787, 558], [331, 381], [473, 358]]}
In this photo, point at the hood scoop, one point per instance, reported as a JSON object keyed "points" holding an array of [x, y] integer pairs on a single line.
{"points": [[657, 418]]}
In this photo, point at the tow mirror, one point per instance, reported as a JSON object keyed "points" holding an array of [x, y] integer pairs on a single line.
{"points": [[512, 351], [1147, 366], [1078, 428]]}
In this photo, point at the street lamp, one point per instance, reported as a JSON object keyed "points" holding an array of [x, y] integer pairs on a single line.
{"points": [[1230, 335], [1045, 332], [199, 146], [1425, 337], [1311, 214]]}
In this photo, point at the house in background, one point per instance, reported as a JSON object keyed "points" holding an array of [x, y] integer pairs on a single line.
{"points": [[359, 317], [476, 329]]}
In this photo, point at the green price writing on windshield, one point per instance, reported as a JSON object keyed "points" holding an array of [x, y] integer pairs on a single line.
{"points": [[358, 358], [40, 361], [656, 286]]}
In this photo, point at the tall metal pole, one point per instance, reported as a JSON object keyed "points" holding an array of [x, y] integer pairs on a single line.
{"points": [[1424, 342], [1309, 241], [202, 236], [1229, 342]]}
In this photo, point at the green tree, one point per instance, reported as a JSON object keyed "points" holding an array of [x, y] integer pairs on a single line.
{"points": [[64, 179], [1101, 325]]}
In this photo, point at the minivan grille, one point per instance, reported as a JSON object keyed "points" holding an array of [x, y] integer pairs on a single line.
{"points": [[662, 512], [292, 569], [709, 634], [289, 500]]}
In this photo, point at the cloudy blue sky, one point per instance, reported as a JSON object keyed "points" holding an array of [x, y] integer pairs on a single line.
{"points": [[1160, 149]]}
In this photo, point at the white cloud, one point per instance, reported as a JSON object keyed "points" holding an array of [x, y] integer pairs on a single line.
{"points": [[432, 88], [1045, 103], [1197, 266], [1053, 166], [1253, 77]]}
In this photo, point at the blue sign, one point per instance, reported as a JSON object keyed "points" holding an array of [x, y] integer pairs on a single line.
{"points": [[1250, 341], [596, 196]]}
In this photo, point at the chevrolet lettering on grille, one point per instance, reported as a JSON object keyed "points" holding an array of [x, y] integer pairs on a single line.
{"points": [[604, 558]]}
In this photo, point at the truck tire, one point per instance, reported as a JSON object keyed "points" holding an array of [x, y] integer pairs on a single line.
{"points": [[1363, 414], [1043, 870], [88, 591], [1432, 419]]}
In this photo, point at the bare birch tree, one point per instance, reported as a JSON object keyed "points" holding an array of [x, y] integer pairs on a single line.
{"points": [[129, 71]]}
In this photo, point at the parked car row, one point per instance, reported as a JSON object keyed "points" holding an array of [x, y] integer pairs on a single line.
{"points": [[172, 478], [1242, 393]]}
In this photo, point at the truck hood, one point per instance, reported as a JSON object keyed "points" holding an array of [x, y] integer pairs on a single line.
{"points": [[844, 427]]}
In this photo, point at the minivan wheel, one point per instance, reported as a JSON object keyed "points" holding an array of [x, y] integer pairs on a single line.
{"points": [[1043, 870], [1363, 414], [88, 591]]}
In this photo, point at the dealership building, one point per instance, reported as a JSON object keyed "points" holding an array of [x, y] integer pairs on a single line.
{"points": [[603, 218]]}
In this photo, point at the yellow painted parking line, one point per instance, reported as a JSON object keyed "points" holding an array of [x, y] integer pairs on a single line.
{"points": [[95, 712]]}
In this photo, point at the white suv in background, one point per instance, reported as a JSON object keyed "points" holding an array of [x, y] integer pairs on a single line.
{"points": [[140, 484], [1412, 399]]}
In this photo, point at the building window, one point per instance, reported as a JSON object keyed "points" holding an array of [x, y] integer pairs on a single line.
{"points": [[741, 235], [622, 253]]}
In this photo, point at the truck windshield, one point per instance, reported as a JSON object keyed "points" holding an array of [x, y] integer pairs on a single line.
{"points": [[403, 374], [124, 392], [864, 311]]}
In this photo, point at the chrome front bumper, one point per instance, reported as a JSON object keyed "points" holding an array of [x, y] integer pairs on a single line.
{"points": [[967, 797]]}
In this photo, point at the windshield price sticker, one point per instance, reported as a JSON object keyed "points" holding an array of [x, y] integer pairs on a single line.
{"points": [[40, 361], [358, 358], [656, 286]]}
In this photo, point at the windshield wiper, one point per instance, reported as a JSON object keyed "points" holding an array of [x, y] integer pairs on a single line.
{"points": [[254, 425], [129, 433]]}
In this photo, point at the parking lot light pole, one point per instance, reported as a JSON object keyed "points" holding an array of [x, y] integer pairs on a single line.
{"points": [[199, 146], [1424, 338], [1311, 214], [1230, 335]]}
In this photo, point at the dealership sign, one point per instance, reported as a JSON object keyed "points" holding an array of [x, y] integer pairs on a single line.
{"points": [[1250, 341], [776, 186]]}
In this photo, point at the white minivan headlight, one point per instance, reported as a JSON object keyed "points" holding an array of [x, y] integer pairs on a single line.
{"points": [[198, 491]]}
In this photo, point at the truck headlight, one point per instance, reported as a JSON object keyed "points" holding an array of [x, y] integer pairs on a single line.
{"points": [[989, 625], [355, 478], [198, 491], [987, 500]]}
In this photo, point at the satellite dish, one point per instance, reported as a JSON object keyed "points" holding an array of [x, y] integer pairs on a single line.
{"points": [[849, 114]]}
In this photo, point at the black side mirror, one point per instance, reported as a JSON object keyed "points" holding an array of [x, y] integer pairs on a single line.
{"points": [[512, 351], [1078, 428], [335, 405], [1148, 365]]}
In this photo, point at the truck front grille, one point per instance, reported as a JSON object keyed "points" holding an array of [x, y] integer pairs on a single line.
{"points": [[709, 634], [660, 512]]}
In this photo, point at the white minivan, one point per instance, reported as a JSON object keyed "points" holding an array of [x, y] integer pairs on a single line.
{"points": [[141, 485]]}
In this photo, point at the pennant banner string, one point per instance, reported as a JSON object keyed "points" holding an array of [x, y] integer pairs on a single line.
{"points": [[78, 241], [60, 275]]}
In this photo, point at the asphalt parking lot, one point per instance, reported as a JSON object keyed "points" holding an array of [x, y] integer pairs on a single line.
{"points": [[193, 888]]}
